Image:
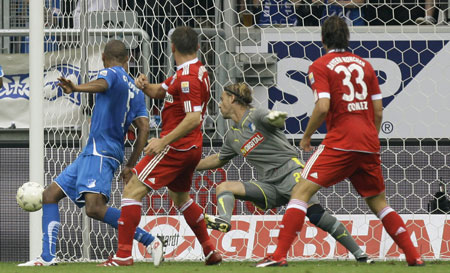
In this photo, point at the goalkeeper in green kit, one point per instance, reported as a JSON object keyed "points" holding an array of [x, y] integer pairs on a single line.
{"points": [[257, 134]]}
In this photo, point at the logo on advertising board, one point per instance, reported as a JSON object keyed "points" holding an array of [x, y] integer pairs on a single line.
{"points": [[256, 236], [18, 86], [396, 63]]}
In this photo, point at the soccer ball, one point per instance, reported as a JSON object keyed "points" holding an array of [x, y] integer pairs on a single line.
{"points": [[29, 196]]}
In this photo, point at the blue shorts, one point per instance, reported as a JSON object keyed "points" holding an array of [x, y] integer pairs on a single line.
{"points": [[88, 173]]}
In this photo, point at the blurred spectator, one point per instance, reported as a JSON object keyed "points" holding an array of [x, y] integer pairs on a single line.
{"points": [[350, 10], [278, 13], [431, 14], [52, 14], [94, 5], [1, 77], [249, 11]]}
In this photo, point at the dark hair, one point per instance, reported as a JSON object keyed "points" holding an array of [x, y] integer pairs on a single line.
{"points": [[335, 33], [185, 40], [241, 91], [116, 50]]}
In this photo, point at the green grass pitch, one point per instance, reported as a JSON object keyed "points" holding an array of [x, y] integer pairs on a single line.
{"points": [[246, 267]]}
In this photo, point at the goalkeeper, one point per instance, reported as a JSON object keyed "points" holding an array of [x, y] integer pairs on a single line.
{"points": [[258, 136]]}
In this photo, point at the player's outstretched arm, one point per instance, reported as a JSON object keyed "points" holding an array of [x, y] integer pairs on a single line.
{"points": [[154, 91], [210, 162], [142, 125], [96, 86], [276, 118]]}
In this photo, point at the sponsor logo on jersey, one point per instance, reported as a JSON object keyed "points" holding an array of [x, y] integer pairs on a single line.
{"points": [[311, 78], [252, 127], [104, 73], [168, 97], [252, 143], [185, 87]]}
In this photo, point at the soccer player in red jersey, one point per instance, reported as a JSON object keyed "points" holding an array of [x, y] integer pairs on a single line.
{"points": [[349, 99], [171, 159]]}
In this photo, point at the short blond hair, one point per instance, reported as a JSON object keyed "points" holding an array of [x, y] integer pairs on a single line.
{"points": [[241, 91]]}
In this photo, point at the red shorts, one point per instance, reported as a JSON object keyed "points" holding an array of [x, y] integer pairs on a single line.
{"points": [[327, 167], [170, 168]]}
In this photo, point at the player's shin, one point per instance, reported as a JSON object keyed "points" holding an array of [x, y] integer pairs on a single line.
{"points": [[193, 215], [50, 228], [396, 228], [128, 222], [292, 223], [225, 205], [322, 219], [112, 217]]}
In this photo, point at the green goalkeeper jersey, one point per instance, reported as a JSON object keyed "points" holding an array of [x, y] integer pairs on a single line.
{"points": [[264, 146]]}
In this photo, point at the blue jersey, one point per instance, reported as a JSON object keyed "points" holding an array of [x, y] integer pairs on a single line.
{"points": [[1, 72], [352, 16], [276, 12], [113, 113]]}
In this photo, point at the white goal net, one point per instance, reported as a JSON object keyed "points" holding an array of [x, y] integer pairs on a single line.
{"points": [[269, 45]]}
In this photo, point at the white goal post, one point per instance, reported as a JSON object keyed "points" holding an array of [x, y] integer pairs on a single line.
{"points": [[411, 62]]}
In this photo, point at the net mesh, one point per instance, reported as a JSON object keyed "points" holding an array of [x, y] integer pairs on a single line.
{"points": [[269, 45]]}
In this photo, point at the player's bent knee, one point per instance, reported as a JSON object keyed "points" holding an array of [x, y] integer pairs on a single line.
{"points": [[179, 198], [93, 212], [52, 194], [95, 206], [224, 186], [135, 189], [304, 190], [315, 213], [236, 187]]}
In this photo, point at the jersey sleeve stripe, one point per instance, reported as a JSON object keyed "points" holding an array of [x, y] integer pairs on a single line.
{"points": [[164, 86], [323, 95], [377, 97], [187, 106]]}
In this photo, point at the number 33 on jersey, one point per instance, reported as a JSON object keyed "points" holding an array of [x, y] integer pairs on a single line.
{"points": [[351, 84]]}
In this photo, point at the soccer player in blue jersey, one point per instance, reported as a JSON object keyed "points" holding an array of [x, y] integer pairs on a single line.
{"points": [[87, 181]]}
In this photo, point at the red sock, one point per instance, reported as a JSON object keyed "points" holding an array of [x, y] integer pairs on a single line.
{"points": [[193, 215], [396, 228], [292, 223], [130, 217]]}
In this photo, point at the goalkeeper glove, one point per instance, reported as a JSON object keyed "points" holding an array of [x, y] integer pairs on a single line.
{"points": [[277, 118]]}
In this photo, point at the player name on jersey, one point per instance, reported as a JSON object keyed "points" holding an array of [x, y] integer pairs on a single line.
{"points": [[356, 106], [350, 59]]}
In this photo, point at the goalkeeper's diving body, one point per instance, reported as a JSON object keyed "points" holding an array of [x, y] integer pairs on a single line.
{"points": [[258, 136]]}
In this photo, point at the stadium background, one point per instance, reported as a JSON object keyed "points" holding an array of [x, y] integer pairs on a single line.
{"points": [[414, 164]]}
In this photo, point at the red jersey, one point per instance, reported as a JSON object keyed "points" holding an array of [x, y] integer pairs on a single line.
{"points": [[351, 85], [186, 91]]}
